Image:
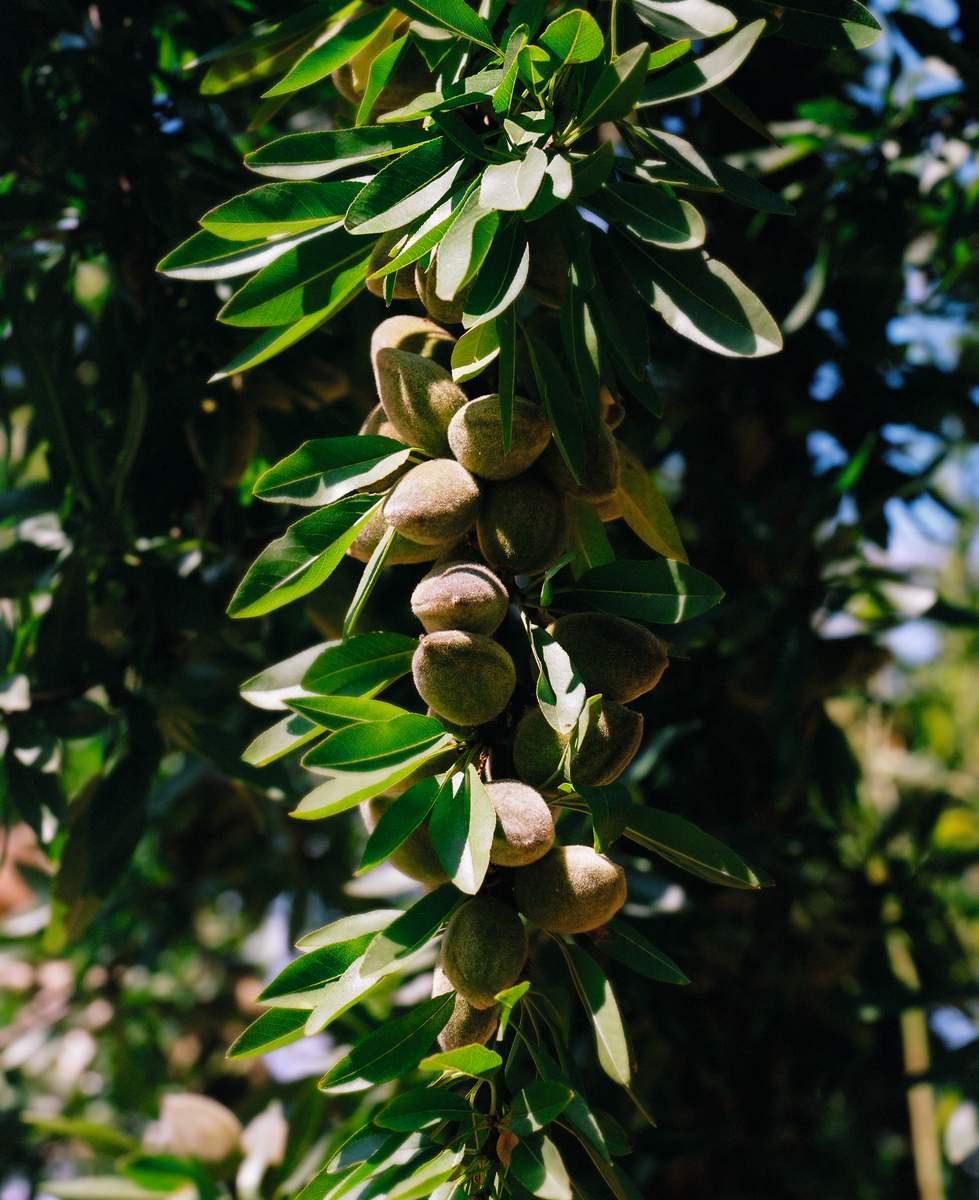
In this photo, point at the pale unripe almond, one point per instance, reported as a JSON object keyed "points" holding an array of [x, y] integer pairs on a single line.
{"points": [[419, 398], [524, 825], [436, 502], [416, 335], [572, 889], [460, 595], [476, 437], [464, 677]]}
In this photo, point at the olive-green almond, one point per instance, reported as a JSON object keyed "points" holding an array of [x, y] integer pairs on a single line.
{"points": [[464, 677], [448, 312], [522, 527], [538, 750], [436, 502], [617, 659], [600, 473], [467, 1024], [484, 950], [524, 824], [402, 549], [416, 856], [460, 595], [476, 437], [419, 397], [572, 889], [381, 254], [610, 741]]}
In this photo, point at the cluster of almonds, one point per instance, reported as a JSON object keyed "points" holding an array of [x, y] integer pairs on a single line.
{"points": [[516, 504]]}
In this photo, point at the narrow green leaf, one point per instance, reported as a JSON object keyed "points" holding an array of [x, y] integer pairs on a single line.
{"points": [[561, 692], [362, 665], [97, 1187], [537, 1105], [335, 712], [421, 1107], [474, 351], [627, 945], [500, 279], [282, 738], [610, 808], [271, 343], [538, 1166], [428, 235], [272, 688], [304, 280], [703, 300], [649, 213], [668, 54], [273, 1029], [474, 1060], [379, 75], [646, 512], [368, 581], [336, 47], [506, 331], [345, 789], [508, 1000], [831, 25], [345, 928], [461, 827], [560, 404], [366, 745], [326, 469], [600, 1004], [617, 88], [464, 93], [312, 155], [398, 823], [280, 208], [405, 189], [413, 928], [464, 247], [454, 15], [394, 1049], [685, 18], [316, 967], [427, 1180], [204, 256], [747, 190], [503, 96], [687, 846], [302, 559], [663, 592], [702, 74]]}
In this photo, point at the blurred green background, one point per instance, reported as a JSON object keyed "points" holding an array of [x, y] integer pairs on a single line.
{"points": [[824, 719]]}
